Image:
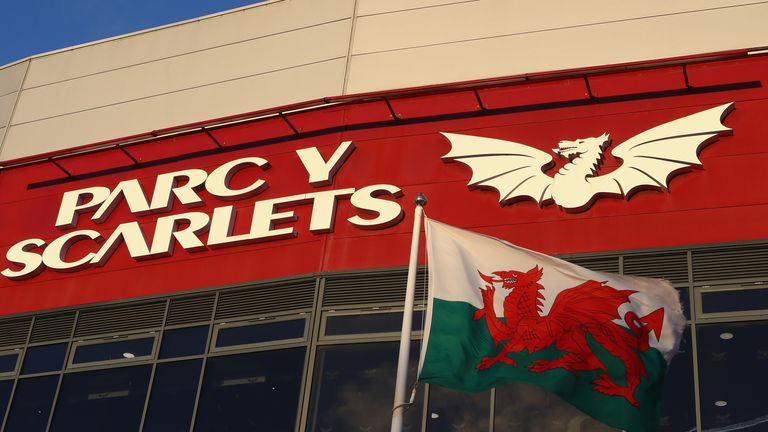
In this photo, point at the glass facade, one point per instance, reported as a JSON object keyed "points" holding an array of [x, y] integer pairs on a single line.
{"points": [[223, 360], [252, 391], [352, 381], [173, 396], [105, 399]]}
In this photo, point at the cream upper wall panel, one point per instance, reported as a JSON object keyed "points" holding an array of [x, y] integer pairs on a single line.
{"points": [[6, 108], [616, 42], [11, 77], [253, 57], [491, 18], [207, 102], [240, 25], [369, 7]]}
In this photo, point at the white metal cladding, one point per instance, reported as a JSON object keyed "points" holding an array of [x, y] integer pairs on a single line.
{"points": [[11, 79], [497, 38], [287, 51]]}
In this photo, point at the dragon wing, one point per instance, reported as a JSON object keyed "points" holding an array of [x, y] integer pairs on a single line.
{"points": [[591, 302], [653, 157], [514, 170]]}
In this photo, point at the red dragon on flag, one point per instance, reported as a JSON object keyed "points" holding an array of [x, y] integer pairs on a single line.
{"points": [[589, 308], [602, 342]]}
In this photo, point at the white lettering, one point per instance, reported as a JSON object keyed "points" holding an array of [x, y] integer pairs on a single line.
{"points": [[222, 224], [55, 253], [167, 228], [265, 218], [262, 224], [30, 262], [186, 193], [73, 203], [321, 172], [218, 181], [129, 233], [133, 194], [388, 213], [377, 208], [324, 209]]}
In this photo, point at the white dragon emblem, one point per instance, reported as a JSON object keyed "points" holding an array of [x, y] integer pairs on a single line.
{"points": [[650, 159]]}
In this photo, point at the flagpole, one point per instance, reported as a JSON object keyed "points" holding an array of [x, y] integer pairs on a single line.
{"points": [[405, 333]]}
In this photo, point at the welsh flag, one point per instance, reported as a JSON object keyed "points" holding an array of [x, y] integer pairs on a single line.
{"points": [[499, 313]]}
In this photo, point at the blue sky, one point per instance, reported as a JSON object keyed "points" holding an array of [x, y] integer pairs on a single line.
{"points": [[36, 26]]}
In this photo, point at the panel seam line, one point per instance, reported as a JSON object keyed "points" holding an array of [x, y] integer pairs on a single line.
{"points": [[349, 48], [569, 27]]}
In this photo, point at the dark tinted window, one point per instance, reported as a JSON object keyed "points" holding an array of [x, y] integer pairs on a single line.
{"points": [[452, 410], [251, 392], [44, 358], [259, 333], [184, 342], [122, 349], [173, 396], [733, 359], [354, 388], [685, 301], [32, 404], [678, 409], [528, 408], [390, 322], [103, 400], [5, 397], [734, 301], [8, 362]]}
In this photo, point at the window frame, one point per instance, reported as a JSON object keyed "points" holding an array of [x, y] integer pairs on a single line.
{"points": [[71, 365], [748, 315], [260, 346], [19, 351], [365, 337]]}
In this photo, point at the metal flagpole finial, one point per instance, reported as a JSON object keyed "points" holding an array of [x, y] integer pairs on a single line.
{"points": [[420, 200]]}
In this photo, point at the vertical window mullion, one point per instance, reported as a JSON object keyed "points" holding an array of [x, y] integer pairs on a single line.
{"points": [[61, 370], [694, 314], [16, 378], [309, 361], [10, 401], [151, 384], [491, 425], [204, 362]]}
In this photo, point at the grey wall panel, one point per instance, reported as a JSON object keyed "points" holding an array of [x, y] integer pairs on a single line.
{"points": [[571, 47], [166, 110], [257, 21], [202, 68]]}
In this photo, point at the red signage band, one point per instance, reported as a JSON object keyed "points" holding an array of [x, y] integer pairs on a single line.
{"points": [[305, 205]]}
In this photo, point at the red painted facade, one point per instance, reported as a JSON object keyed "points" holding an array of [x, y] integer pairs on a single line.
{"points": [[398, 142]]}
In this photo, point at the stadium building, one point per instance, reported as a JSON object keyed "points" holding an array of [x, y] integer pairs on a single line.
{"points": [[205, 226]]}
